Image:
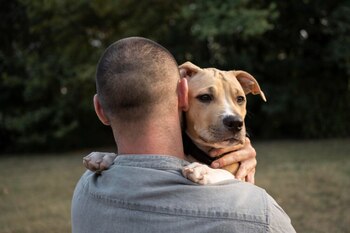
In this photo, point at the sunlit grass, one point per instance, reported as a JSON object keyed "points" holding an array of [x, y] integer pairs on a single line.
{"points": [[310, 180], [35, 192]]}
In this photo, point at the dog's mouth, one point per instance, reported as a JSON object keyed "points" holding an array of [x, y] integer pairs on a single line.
{"points": [[229, 141], [216, 138]]}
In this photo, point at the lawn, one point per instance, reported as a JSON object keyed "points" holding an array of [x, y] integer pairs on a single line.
{"points": [[309, 179]]}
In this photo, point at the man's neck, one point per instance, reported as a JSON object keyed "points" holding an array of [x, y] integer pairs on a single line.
{"points": [[152, 139]]}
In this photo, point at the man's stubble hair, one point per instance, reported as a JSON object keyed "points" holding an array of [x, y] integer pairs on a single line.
{"points": [[135, 76]]}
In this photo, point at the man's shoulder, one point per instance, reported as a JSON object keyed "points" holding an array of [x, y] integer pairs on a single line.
{"points": [[243, 195], [84, 180], [155, 184]]}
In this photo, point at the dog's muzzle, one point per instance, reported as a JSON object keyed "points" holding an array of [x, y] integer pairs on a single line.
{"points": [[233, 123]]}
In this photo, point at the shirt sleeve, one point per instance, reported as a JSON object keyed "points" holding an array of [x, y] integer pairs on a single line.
{"points": [[279, 221]]}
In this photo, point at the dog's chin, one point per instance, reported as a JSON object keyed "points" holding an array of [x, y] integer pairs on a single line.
{"points": [[222, 143]]}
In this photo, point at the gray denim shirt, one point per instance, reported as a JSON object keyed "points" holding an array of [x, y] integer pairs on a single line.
{"points": [[147, 193]]}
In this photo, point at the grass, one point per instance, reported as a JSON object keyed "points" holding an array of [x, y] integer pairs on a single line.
{"points": [[309, 179], [35, 192]]}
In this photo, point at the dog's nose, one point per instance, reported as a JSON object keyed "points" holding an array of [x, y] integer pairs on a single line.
{"points": [[233, 123]]}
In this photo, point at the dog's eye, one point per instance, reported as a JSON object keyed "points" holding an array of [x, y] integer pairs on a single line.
{"points": [[205, 98], [240, 99]]}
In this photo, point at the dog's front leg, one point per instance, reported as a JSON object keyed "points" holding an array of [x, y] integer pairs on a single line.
{"points": [[202, 174]]}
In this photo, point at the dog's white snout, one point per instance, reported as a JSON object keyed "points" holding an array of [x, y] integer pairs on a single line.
{"points": [[233, 123]]}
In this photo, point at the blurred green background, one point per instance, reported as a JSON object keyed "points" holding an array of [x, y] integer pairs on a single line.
{"points": [[299, 51]]}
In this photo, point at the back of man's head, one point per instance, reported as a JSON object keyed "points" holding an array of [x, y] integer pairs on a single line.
{"points": [[136, 76]]}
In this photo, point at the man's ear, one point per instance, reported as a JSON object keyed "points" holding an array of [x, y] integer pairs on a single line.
{"points": [[100, 112], [183, 94], [248, 83], [188, 69]]}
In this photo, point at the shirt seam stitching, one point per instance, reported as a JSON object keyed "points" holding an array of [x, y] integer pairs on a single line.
{"points": [[122, 204]]}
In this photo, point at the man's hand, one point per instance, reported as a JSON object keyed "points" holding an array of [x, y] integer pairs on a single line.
{"points": [[246, 156]]}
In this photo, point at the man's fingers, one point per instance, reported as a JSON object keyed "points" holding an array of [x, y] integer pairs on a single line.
{"points": [[234, 157], [251, 177], [246, 156], [246, 168], [221, 151], [245, 153]]}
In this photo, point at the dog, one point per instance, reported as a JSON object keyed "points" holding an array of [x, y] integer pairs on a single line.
{"points": [[214, 120]]}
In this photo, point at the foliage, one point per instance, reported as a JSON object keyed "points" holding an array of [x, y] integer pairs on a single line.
{"points": [[310, 72], [298, 51]]}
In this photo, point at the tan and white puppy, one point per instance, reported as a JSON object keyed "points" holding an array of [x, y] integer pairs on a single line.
{"points": [[214, 120]]}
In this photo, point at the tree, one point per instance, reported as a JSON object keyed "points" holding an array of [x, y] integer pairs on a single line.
{"points": [[298, 51]]}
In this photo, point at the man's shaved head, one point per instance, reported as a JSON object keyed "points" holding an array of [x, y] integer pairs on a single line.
{"points": [[134, 76]]}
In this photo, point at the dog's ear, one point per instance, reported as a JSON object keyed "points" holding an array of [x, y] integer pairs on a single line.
{"points": [[248, 83], [188, 69]]}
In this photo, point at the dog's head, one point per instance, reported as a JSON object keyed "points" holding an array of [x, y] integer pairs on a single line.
{"points": [[217, 105]]}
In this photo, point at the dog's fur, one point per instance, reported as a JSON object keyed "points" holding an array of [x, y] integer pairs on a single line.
{"points": [[215, 118], [217, 108]]}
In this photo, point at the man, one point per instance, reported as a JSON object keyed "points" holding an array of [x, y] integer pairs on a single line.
{"points": [[141, 96]]}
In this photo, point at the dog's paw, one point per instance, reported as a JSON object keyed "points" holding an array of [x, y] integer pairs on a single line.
{"points": [[196, 172], [202, 174], [98, 162]]}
